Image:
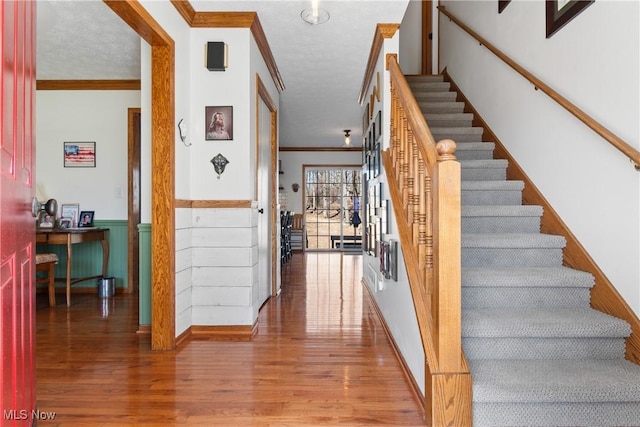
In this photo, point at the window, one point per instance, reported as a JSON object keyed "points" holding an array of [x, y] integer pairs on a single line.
{"points": [[333, 203]]}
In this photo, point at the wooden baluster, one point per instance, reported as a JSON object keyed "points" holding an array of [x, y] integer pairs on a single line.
{"points": [[394, 137], [422, 204], [401, 141], [404, 174], [411, 153]]}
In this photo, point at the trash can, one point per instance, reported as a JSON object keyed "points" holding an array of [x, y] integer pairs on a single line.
{"points": [[106, 287]]}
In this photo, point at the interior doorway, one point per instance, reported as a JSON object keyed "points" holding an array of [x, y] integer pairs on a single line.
{"points": [[134, 201], [333, 200]]}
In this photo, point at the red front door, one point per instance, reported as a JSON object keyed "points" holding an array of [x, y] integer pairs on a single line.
{"points": [[17, 241]]}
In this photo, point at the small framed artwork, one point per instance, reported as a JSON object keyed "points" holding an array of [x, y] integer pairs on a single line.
{"points": [[86, 219], [218, 123], [79, 154], [378, 123], [365, 119], [560, 12], [70, 211], [64, 223]]}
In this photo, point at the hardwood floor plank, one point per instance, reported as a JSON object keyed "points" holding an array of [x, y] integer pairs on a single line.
{"points": [[320, 357]]}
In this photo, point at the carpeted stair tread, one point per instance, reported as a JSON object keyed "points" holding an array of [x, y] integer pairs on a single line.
{"points": [[422, 86], [475, 146], [541, 322], [424, 78], [444, 106], [602, 414], [500, 210], [526, 277], [491, 185], [554, 381], [448, 116], [449, 119], [454, 130], [428, 97], [512, 240], [484, 164]]}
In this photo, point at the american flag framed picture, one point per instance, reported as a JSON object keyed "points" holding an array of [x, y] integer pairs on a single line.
{"points": [[79, 154]]}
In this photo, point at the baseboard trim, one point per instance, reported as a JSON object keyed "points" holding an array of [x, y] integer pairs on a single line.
{"points": [[144, 330], [396, 350], [219, 333]]}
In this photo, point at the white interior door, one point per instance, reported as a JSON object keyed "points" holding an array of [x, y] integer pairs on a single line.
{"points": [[264, 202]]}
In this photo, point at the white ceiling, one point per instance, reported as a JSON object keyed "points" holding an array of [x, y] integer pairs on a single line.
{"points": [[322, 66]]}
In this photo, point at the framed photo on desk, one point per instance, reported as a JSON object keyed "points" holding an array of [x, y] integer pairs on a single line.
{"points": [[46, 220], [72, 212], [86, 219], [65, 223]]}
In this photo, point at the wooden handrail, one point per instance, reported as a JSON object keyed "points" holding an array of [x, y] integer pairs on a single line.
{"points": [[617, 142]]}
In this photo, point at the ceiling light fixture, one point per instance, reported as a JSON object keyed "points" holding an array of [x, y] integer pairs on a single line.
{"points": [[316, 15], [347, 137]]}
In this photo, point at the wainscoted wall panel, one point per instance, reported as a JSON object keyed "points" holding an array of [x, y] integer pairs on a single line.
{"points": [[234, 257], [222, 315], [231, 237], [184, 255], [222, 295], [224, 255], [222, 218], [224, 276], [183, 301], [144, 280], [87, 257]]}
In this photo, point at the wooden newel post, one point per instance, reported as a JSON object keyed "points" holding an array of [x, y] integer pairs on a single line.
{"points": [[451, 386]]}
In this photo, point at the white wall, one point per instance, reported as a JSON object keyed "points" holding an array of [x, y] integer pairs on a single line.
{"points": [[222, 88], [97, 116], [410, 53], [216, 249], [394, 298], [594, 62]]}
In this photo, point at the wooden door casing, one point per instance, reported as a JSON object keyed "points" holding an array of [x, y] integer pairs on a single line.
{"points": [[17, 230]]}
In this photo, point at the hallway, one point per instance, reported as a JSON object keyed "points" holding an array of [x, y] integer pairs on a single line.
{"points": [[320, 357]]}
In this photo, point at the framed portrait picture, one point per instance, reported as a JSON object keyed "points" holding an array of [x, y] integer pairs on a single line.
{"points": [[502, 4], [560, 12], [86, 219], [79, 154], [70, 211], [46, 220], [218, 123]]}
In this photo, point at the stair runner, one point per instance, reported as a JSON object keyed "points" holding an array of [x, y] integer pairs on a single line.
{"points": [[538, 354]]}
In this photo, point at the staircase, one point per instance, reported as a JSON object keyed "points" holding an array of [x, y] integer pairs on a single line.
{"points": [[538, 354]]}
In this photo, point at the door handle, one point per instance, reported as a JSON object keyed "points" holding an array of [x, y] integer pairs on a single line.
{"points": [[261, 210]]}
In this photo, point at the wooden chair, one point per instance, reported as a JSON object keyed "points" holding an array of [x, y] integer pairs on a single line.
{"points": [[298, 233], [46, 263]]}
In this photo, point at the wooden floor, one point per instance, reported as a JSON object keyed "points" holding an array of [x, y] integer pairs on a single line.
{"points": [[320, 357]]}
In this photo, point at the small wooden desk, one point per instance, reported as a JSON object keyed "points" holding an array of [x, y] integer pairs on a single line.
{"points": [[71, 237]]}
